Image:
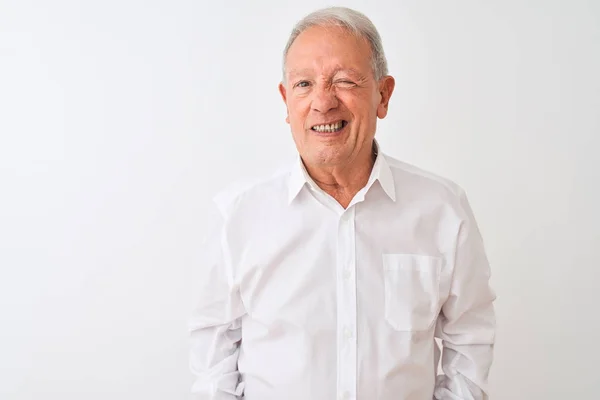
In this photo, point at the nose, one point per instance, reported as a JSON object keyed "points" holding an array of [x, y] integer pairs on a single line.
{"points": [[324, 99]]}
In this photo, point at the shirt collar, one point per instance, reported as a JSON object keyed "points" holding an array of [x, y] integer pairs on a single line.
{"points": [[381, 172]]}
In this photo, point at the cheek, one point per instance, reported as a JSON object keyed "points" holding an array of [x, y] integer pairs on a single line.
{"points": [[364, 113], [365, 107], [359, 109], [298, 112]]}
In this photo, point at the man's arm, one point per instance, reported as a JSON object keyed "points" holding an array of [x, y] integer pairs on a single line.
{"points": [[467, 322], [215, 325]]}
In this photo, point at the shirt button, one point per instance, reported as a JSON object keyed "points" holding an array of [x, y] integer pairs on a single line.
{"points": [[344, 396], [347, 273], [347, 333]]}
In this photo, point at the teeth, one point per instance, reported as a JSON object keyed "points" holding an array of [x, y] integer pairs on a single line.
{"points": [[328, 127]]}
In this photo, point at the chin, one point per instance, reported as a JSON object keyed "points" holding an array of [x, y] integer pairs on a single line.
{"points": [[325, 154]]}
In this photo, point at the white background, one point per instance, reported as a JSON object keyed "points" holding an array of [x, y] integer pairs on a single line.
{"points": [[119, 120]]}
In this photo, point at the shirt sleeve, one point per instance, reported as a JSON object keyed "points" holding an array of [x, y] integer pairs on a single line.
{"points": [[215, 325], [467, 322]]}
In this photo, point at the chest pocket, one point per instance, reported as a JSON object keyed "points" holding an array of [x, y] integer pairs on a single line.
{"points": [[411, 291]]}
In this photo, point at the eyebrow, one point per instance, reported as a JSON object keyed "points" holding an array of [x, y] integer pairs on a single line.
{"points": [[307, 71]]}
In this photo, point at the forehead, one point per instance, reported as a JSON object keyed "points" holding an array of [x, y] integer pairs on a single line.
{"points": [[322, 49]]}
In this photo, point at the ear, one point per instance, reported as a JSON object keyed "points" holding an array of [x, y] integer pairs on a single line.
{"points": [[284, 97], [386, 88]]}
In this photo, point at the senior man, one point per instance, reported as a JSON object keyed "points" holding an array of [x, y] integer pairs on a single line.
{"points": [[332, 279]]}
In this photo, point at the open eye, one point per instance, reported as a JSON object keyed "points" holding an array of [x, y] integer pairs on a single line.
{"points": [[302, 84]]}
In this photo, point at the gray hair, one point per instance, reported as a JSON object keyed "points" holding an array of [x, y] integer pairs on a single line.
{"points": [[355, 22]]}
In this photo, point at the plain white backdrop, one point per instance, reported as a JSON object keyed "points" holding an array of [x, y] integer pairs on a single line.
{"points": [[120, 119]]}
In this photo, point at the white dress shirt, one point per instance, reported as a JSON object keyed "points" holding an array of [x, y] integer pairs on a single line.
{"points": [[303, 299]]}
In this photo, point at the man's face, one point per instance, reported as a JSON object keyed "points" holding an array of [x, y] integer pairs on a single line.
{"points": [[330, 81]]}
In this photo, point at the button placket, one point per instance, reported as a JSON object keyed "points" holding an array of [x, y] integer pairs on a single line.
{"points": [[346, 295]]}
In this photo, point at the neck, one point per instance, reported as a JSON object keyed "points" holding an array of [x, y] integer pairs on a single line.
{"points": [[343, 181]]}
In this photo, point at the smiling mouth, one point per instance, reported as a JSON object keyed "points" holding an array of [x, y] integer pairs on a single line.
{"points": [[330, 128]]}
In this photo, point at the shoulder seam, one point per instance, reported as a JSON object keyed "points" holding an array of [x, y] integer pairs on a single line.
{"points": [[228, 197], [452, 186]]}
